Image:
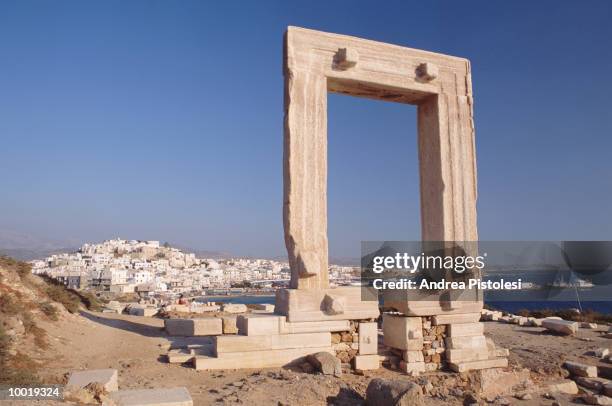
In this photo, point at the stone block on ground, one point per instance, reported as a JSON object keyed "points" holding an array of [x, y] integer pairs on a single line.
{"points": [[521, 321], [412, 368], [475, 365], [368, 338], [604, 371], [143, 311], [492, 316], [593, 399], [534, 322], [601, 352], [179, 356], [494, 382], [106, 377], [178, 327], [264, 307], [153, 397], [382, 392], [208, 326], [578, 369], [465, 329], [115, 306], [404, 333], [234, 308], [259, 324], [560, 326], [566, 386], [596, 384], [607, 389], [240, 343], [204, 309], [455, 318], [325, 363], [257, 359], [366, 362]]}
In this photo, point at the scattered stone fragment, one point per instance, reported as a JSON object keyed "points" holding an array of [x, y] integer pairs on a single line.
{"points": [[496, 382], [607, 389], [179, 356], [383, 392], [590, 326], [266, 307], [106, 377], [593, 399], [597, 384], [366, 362], [325, 363], [578, 369], [560, 326], [234, 308], [566, 386], [470, 399], [523, 396], [152, 397], [601, 352]]}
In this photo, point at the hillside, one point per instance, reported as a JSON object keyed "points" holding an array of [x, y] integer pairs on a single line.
{"points": [[27, 303]]}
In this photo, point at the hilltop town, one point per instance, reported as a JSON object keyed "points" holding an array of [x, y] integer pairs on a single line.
{"points": [[148, 267]]}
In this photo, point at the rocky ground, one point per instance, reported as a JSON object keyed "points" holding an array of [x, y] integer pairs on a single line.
{"points": [[41, 338], [135, 346]]}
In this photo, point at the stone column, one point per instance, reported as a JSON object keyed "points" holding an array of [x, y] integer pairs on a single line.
{"points": [[305, 178]]}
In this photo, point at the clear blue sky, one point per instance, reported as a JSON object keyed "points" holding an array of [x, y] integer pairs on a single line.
{"points": [[163, 120]]}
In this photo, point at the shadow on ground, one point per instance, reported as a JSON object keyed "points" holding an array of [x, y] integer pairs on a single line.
{"points": [[346, 397], [126, 325]]}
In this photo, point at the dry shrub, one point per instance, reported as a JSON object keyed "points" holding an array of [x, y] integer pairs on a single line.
{"points": [[58, 293], [49, 310]]}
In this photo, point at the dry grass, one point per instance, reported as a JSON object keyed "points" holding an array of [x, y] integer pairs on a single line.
{"points": [[18, 369], [23, 269]]}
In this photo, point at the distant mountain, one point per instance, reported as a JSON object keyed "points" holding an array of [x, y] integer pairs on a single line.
{"points": [[27, 247], [24, 254]]}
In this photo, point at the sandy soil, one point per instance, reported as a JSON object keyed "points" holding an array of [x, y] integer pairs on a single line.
{"points": [[135, 347]]}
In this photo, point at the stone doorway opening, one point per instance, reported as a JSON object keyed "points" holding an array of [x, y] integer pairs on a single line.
{"points": [[373, 174]]}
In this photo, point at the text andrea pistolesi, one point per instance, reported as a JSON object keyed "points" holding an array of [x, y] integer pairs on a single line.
{"points": [[404, 262]]}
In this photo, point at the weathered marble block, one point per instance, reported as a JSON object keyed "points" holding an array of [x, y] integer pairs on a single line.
{"points": [[106, 377], [153, 397], [368, 338]]}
